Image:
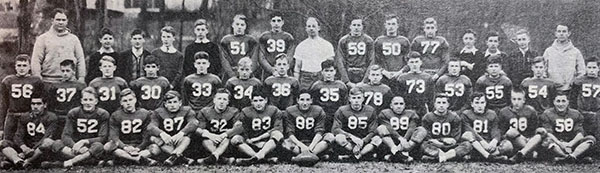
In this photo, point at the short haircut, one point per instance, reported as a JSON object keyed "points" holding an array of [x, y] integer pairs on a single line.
{"points": [[22, 58], [200, 22], [391, 16], [430, 20], [441, 95], [561, 93], [304, 91], [355, 91], [492, 34], [375, 67], [281, 56], [517, 89], [89, 90], [470, 31], [523, 31], [69, 63], [108, 59], [172, 94], [564, 24], [538, 59], [245, 62], [151, 59], [414, 54], [58, 10], [259, 92], [201, 55], [476, 95], [137, 32], [276, 14], [592, 59], [126, 92], [495, 59], [313, 19], [105, 31], [453, 59], [39, 95], [327, 63], [240, 17], [168, 29], [223, 90]]}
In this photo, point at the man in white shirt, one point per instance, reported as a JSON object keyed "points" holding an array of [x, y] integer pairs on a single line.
{"points": [[310, 53]]}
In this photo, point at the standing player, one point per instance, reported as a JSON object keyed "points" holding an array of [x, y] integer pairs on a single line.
{"points": [[434, 48], [128, 132], [169, 58], [283, 88], [355, 126], [199, 89], [151, 88], [275, 42], [377, 94], [216, 126], [481, 129], [540, 89], [108, 87], [566, 138], [495, 85], [354, 53], [331, 93], [472, 61], [400, 130], [261, 126], [458, 87], [171, 126], [64, 95], [237, 46], [244, 84], [15, 92], [202, 44], [493, 42], [520, 125], [107, 41], [415, 85], [444, 130], [587, 89], [390, 50]]}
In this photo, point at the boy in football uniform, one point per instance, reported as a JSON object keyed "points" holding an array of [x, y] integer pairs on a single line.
{"points": [[329, 93], [236, 46], [586, 88], [480, 127], [355, 127], [150, 89], [64, 95], [444, 130], [305, 127], [416, 86], [199, 89], [275, 42], [354, 53], [34, 135], [216, 127], [540, 89], [377, 94], [128, 138], [565, 138], [458, 87], [390, 50], [400, 130], [282, 87], [521, 126], [495, 85], [244, 84], [261, 127], [433, 48], [85, 132], [171, 126], [108, 86], [15, 94]]}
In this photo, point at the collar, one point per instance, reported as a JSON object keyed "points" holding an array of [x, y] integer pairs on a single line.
{"points": [[488, 53], [170, 49], [103, 51], [469, 50], [204, 40], [524, 51]]}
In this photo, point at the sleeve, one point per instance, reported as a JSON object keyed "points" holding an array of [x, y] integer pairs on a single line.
{"points": [[81, 71], [445, 57], [426, 123], [236, 129], [67, 135], [202, 122], [320, 119], [103, 130], [290, 127], [544, 119], [457, 132], [53, 126], [192, 123], [578, 124], [503, 122], [580, 66], [20, 133], [337, 123], [114, 131], [495, 131], [277, 124], [412, 126], [466, 126], [439, 85], [372, 126], [153, 127], [3, 103], [340, 61], [37, 57], [225, 60], [185, 89]]}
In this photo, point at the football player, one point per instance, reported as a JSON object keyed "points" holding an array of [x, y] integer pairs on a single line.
{"points": [[354, 53], [244, 84], [237, 46], [151, 88], [444, 130], [400, 130], [586, 88], [540, 89], [458, 87], [434, 48], [199, 89], [376, 93], [416, 86], [108, 86], [171, 126], [355, 126], [275, 42], [282, 87], [64, 95], [390, 50], [329, 93], [495, 85]]}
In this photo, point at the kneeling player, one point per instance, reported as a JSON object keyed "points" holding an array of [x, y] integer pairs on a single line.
{"points": [[565, 136], [128, 136], [305, 127], [444, 129], [33, 135], [171, 126], [355, 126], [261, 128], [400, 131], [85, 131]]}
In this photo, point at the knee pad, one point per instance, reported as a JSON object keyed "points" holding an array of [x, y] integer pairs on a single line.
{"points": [[541, 131], [328, 137], [237, 140], [57, 146], [383, 131], [419, 135], [589, 138], [341, 140], [276, 135], [110, 146], [96, 149], [376, 140], [468, 136], [512, 133]]}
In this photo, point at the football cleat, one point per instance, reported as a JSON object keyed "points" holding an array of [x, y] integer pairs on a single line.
{"points": [[171, 160]]}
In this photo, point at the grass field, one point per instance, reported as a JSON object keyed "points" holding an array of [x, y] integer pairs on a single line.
{"points": [[331, 167]]}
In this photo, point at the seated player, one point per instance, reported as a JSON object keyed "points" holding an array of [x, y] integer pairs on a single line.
{"points": [[444, 130], [377, 94], [415, 86], [495, 85], [586, 89], [355, 126], [128, 135], [458, 87], [481, 129], [305, 127], [216, 127], [84, 134], [520, 125], [64, 95], [565, 136], [242, 86], [283, 87], [171, 126], [331, 93], [151, 88], [108, 86], [261, 129], [33, 136], [400, 130], [540, 90], [199, 89]]}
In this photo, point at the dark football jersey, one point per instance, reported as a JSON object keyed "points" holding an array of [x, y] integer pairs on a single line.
{"points": [[108, 90], [377, 96], [457, 88], [256, 123], [587, 90], [304, 124], [539, 93], [355, 51], [199, 90], [16, 93], [273, 43], [218, 122], [64, 96], [485, 125], [330, 95], [416, 88], [442, 126], [172, 123], [32, 129], [80, 124], [403, 124], [361, 123], [235, 47], [434, 53], [497, 91], [390, 52], [283, 90], [129, 128], [241, 90], [565, 125], [150, 92], [525, 120]]}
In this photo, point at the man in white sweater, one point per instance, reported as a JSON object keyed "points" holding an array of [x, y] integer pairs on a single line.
{"points": [[565, 61]]}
